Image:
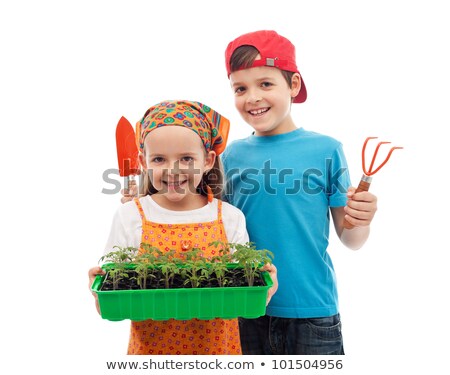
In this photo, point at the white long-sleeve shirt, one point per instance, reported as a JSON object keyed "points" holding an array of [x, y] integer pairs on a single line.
{"points": [[126, 228]]}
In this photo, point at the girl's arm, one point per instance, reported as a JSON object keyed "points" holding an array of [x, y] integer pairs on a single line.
{"points": [[359, 211], [93, 272], [120, 235]]}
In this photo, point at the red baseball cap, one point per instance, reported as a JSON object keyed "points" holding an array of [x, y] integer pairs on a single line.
{"points": [[275, 51]]}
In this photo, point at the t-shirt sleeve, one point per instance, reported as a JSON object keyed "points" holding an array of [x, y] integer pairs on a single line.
{"points": [[122, 231], [235, 224], [338, 179]]}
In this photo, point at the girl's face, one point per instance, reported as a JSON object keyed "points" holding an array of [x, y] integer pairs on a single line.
{"points": [[176, 160], [263, 99]]}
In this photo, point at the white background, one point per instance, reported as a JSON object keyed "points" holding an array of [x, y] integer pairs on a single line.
{"points": [[69, 70]]}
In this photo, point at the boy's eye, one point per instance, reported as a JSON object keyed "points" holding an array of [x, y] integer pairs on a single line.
{"points": [[239, 90], [266, 84]]}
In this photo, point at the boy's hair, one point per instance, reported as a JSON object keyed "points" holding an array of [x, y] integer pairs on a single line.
{"points": [[243, 58], [213, 178], [274, 51]]}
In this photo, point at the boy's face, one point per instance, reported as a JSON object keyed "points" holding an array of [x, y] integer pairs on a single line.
{"points": [[263, 99]]}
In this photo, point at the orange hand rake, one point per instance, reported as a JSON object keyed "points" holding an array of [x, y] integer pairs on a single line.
{"points": [[366, 178]]}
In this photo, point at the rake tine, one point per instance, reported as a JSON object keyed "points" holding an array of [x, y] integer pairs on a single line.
{"points": [[364, 154], [386, 160], [366, 179], [375, 156]]}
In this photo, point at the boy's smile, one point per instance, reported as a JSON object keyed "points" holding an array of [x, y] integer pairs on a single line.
{"points": [[263, 99], [259, 112]]}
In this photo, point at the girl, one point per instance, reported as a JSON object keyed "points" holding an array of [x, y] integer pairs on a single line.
{"points": [[179, 209]]}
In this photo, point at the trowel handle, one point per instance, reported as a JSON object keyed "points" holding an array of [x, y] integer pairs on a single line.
{"points": [[364, 185]]}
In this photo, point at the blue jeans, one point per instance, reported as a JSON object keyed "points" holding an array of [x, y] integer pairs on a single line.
{"points": [[307, 336]]}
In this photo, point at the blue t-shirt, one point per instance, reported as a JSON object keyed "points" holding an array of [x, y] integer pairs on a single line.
{"points": [[285, 185]]}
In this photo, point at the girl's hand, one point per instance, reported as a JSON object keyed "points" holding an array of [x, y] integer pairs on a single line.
{"points": [[273, 275], [360, 208], [93, 272]]}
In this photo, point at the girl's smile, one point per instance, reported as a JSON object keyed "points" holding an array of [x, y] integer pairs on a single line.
{"points": [[175, 185]]}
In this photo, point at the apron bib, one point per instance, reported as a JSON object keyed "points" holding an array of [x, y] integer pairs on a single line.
{"points": [[215, 336]]}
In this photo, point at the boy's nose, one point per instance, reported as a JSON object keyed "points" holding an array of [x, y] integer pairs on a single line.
{"points": [[254, 97]]}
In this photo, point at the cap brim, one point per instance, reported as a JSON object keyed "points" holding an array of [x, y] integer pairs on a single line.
{"points": [[302, 95]]}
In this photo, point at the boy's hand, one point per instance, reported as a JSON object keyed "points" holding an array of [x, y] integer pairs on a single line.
{"points": [[273, 275], [132, 192], [93, 272], [360, 208]]}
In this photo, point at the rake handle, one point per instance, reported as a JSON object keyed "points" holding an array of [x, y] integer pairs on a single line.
{"points": [[364, 185]]}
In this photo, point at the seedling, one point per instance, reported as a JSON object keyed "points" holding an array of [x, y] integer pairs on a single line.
{"points": [[169, 267], [121, 259], [144, 267], [219, 266], [195, 268], [121, 255], [251, 259]]}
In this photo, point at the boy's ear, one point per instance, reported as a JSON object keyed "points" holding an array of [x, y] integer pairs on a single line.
{"points": [[210, 160], [296, 85]]}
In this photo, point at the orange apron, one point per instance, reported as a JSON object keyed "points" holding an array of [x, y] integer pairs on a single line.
{"points": [[215, 336]]}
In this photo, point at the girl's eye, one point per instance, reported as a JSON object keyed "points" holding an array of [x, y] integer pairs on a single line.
{"points": [[157, 159], [187, 159]]}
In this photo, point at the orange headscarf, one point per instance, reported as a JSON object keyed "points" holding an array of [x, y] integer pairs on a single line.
{"points": [[210, 126]]}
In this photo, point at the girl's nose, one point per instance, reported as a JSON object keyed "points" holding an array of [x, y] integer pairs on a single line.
{"points": [[174, 167]]}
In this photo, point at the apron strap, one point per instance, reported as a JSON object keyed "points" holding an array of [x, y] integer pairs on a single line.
{"points": [[140, 209], [219, 210]]}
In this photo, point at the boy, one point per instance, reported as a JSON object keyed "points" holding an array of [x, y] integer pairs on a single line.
{"points": [[287, 180]]}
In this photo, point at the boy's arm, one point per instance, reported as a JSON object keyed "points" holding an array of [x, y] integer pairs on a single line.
{"points": [[359, 211], [132, 192]]}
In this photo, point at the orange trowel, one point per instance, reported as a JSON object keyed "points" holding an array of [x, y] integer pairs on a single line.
{"points": [[127, 152]]}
